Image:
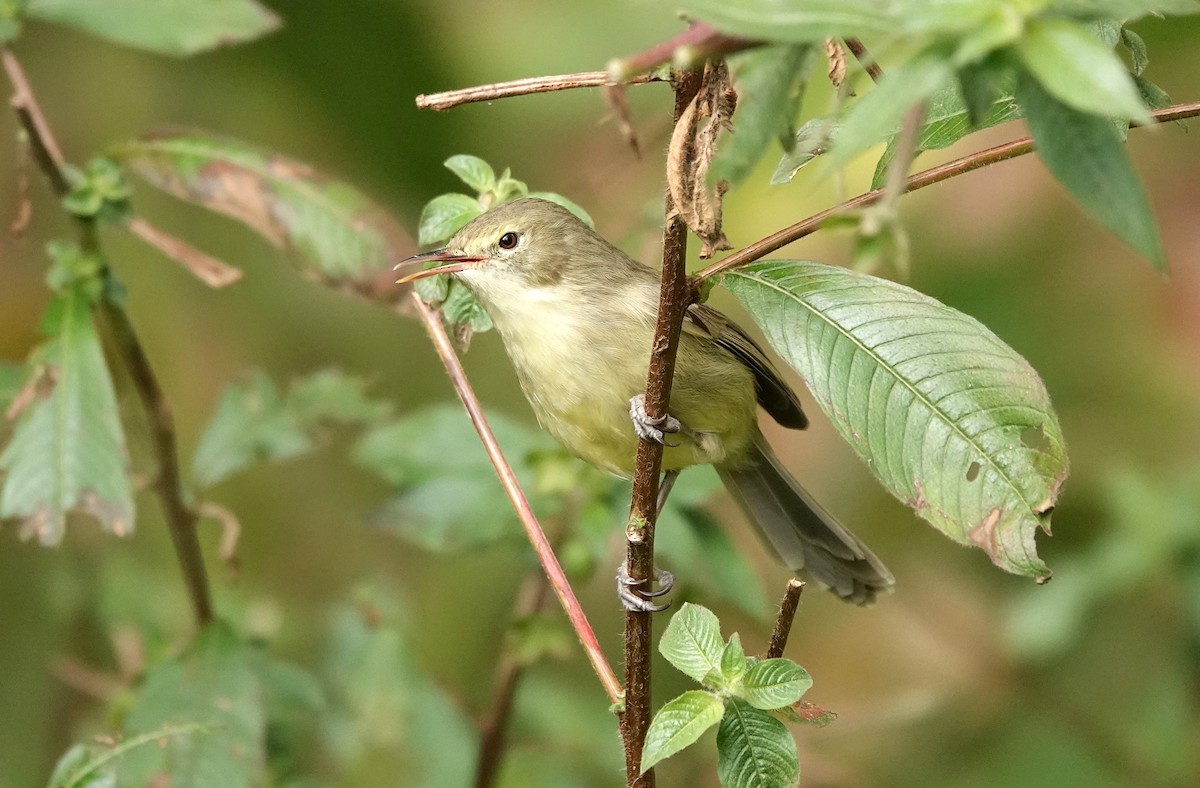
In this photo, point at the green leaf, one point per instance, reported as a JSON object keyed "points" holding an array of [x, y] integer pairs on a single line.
{"points": [[445, 215], [878, 113], [1136, 47], [1079, 70], [775, 683], [168, 27], [250, 423], [808, 22], [211, 684], [330, 228], [679, 723], [770, 82], [10, 20], [381, 701], [950, 419], [733, 660], [754, 750], [473, 171], [329, 396], [447, 496], [1084, 152], [579, 212], [947, 120], [67, 452], [462, 308], [1125, 9], [94, 765], [692, 641], [813, 139]]}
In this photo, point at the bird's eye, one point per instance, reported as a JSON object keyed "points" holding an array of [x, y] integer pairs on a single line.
{"points": [[509, 240]]}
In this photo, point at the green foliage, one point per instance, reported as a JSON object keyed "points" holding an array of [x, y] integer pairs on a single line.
{"points": [[772, 80], [753, 747], [447, 496], [168, 27], [1078, 70], [254, 422], [330, 228], [67, 452], [1085, 154], [94, 765], [99, 191], [212, 684], [950, 419]]}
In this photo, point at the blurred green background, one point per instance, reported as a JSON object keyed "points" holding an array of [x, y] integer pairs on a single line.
{"points": [[965, 676]]}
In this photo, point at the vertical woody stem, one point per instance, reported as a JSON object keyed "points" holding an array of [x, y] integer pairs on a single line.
{"points": [[639, 531]]}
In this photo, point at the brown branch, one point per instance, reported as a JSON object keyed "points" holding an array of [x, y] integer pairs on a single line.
{"points": [[522, 87], [181, 519], [537, 537], [864, 58], [787, 614], [639, 532], [204, 267], [685, 50], [951, 169]]}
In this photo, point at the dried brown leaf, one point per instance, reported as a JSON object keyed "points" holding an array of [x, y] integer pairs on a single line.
{"points": [[618, 103], [835, 53], [693, 146]]}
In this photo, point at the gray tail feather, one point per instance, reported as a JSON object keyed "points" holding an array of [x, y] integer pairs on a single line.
{"points": [[803, 534]]}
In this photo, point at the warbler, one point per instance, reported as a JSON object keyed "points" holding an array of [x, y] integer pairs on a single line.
{"points": [[577, 315]]}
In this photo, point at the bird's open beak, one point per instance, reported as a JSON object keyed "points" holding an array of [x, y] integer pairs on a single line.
{"points": [[453, 263]]}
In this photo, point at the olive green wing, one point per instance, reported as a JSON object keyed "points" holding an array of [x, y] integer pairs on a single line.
{"points": [[775, 396]]}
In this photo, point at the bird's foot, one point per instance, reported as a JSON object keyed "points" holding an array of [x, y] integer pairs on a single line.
{"points": [[652, 429], [638, 600]]}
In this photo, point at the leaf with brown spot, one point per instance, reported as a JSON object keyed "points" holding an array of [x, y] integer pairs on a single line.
{"points": [[952, 421], [334, 231], [67, 452]]}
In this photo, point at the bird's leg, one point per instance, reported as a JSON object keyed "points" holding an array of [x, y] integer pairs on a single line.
{"points": [[636, 600], [655, 429], [664, 488]]}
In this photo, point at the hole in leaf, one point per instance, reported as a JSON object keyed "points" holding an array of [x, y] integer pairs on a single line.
{"points": [[1034, 438], [972, 471]]}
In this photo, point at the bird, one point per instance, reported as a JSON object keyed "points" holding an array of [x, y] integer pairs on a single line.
{"points": [[576, 316]]}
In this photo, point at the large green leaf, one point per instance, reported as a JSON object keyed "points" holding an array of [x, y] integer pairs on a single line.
{"points": [[680, 722], [67, 452], [213, 684], [950, 419], [1084, 152], [332, 229], [775, 683], [169, 27], [1080, 70], [754, 750]]}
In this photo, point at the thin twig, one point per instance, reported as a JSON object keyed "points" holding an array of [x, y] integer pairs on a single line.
{"points": [[204, 267], [864, 58], [685, 50], [541, 545], [181, 519], [787, 614], [493, 729], [639, 531], [522, 87], [1009, 150]]}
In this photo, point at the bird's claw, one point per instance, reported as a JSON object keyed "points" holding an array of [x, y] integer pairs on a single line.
{"points": [[653, 429], [637, 600]]}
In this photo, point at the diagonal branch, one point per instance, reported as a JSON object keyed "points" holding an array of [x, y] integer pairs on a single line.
{"points": [[537, 537], [974, 161]]}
